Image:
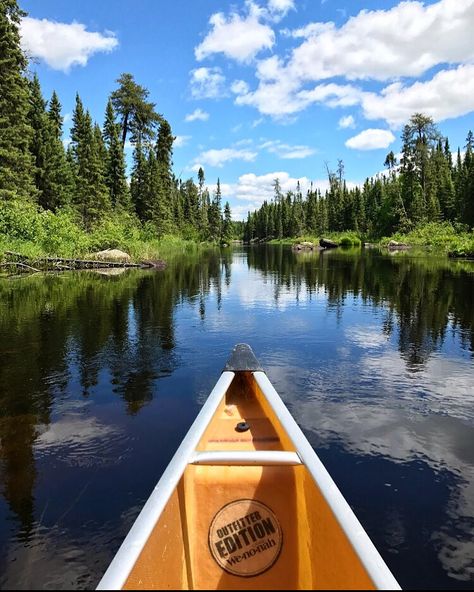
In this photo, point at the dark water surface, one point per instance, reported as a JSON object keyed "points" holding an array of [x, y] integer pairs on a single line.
{"points": [[101, 376]]}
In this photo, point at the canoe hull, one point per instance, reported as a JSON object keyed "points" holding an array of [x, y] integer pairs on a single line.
{"points": [[246, 504]]}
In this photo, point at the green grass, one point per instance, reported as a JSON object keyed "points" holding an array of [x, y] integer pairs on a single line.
{"points": [[444, 237], [36, 234]]}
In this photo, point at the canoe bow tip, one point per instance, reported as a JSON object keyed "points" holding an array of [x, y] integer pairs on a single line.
{"points": [[242, 359]]}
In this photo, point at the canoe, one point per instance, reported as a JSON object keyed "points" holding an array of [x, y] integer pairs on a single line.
{"points": [[246, 503]]}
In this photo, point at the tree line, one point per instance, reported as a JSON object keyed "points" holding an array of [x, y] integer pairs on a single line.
{"points": [[424, 185], [89, 177]]}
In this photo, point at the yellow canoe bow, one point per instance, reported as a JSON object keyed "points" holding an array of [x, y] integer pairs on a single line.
{"points": [[246, 503]]}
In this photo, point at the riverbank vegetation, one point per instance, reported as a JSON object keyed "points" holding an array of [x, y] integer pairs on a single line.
{"points": [[74, 200], [423, 198]]}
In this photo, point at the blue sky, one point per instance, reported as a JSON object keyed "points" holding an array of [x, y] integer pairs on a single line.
{"points": [[261, 89]]}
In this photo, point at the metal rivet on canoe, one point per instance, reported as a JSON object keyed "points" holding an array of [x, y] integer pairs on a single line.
{"points": [[242, 426]]}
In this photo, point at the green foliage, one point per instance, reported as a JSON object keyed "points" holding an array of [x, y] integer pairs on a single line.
{"points": [[138, 115], [16, 160], [350, 240], [35, 232], [424, 188], [444, 237]]}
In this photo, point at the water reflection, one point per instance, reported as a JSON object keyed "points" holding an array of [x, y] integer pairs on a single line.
{"points": [[101, 375]]}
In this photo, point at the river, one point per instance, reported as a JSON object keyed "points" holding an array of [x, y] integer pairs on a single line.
{"points": [[102, 375]]}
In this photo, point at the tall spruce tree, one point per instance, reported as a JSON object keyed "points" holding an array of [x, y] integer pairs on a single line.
{"points": [[59, 183], [139, 183], [16, 161], [91, 195], [39, 122], [167, 193], [115, 173], [52, 173], [215, 214], [203, 204]]}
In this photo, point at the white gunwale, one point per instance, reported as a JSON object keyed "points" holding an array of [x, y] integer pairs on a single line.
{"points": [[128, 553], [365, 549]]}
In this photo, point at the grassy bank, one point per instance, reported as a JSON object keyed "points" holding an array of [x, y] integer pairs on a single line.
{"points": [[34, 233], [442, 237]]}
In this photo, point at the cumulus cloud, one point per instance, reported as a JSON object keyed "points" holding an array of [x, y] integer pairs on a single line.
{"points": [[407, 40], [63, 45], [237, 37], [286, 150], [197, 115], [346, 121], [239, 87], [252, 190], [280, 7], [207, 83], [180, 141], [218, 157], [255, 189], [371, 139], [450, 93]]}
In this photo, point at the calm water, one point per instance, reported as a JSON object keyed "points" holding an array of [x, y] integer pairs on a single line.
{"points": [[101, 376]]}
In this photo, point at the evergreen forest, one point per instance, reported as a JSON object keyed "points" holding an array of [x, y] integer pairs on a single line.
{"points": [[80, 197], [424, 186], [49, 192]]}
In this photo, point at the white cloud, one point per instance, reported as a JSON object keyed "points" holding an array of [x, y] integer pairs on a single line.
{"points": [[281, 7], [218, 157], [239, 38], [207, 83], [180, 141], [257, 188], [371, 139], [346, 121], [450, 93], [239, 87], [197, 115], [253, 190], [406, 40], [287, 151], [63, 45]]}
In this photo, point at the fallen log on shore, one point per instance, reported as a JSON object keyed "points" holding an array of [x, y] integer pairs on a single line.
{"points": [[23, 262]]}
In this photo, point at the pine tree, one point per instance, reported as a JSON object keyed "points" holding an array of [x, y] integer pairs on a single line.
{"points": [[115, 175], [16, 161], [55, 117], [164, 153], [53, 177], [139, 183], [139, 118], [215, 214], [39, 123], [467, 187], [58, 189], [91, 195], [203, 205]]}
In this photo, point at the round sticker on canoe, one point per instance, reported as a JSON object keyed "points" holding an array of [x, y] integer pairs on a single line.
{"points": [[245, 538]]}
